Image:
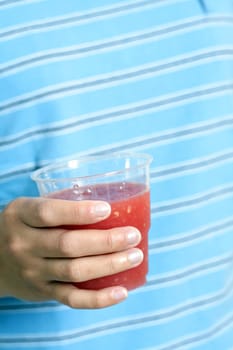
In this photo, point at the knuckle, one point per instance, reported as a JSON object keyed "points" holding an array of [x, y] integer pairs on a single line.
{"points": [[9, 214], [65, 244], [115, 239], [112, 265], [15, 246], [70, 300], [98, 301], [43, 210], [74, 211], [109, 238], [73, 271], [28, 274]]}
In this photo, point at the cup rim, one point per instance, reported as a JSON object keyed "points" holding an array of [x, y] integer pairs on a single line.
{"points": [[35, 175]]}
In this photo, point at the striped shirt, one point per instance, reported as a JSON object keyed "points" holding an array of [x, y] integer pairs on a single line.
{"points": [[84, 77]]}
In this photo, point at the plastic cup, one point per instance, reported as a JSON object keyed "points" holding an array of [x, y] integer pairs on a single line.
{"points": [[120, 179]]}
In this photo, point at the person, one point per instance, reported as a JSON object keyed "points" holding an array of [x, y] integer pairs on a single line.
{"points": [[89, 77]]}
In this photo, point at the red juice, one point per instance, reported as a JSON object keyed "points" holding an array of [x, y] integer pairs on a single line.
{"points": [[130, 204]]}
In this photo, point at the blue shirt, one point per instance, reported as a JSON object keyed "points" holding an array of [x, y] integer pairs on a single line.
{"points": [[85, 77]]}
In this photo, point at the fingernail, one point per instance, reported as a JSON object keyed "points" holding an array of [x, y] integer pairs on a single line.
{"points": [[135, 256], [119, 293], [102, 209], [133, 237]]}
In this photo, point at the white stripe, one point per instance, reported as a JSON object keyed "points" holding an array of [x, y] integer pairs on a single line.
{"points": [[89, 16], [146, 142], [195, 165], [142, 320], [85, 121], [185, 203], [27, 310], [21, 168], [186, 239], [4, 4], [11, 105], [197, 22], [199, 337], [35, 60], [194, 271]]}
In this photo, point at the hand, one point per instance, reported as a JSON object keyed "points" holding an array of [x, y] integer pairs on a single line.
{"points": [[37, 255]]}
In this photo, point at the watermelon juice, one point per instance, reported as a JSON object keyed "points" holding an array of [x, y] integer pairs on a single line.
{"points": [[130, 206]]}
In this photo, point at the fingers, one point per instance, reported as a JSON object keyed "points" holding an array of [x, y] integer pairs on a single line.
{"points": [[83, 269], [43, 255], [87, 299], [78, 243], [45, 212]]}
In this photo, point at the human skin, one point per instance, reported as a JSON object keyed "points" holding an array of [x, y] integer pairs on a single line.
{"points": [[37, 254]]}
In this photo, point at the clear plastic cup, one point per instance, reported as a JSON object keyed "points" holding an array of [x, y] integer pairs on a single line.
{"points": [[122, 180]]}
